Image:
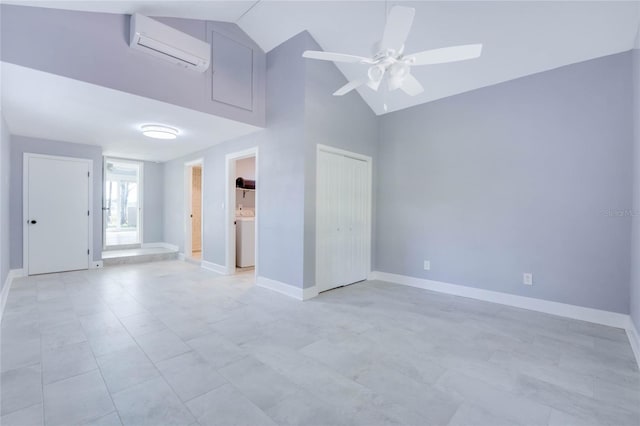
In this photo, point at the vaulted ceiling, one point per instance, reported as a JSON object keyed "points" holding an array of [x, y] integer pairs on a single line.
{"points": [[519, 37]]}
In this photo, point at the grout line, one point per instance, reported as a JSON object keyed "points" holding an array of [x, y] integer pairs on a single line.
{"points": [[160, 375], [44, 418], [95, 358]]}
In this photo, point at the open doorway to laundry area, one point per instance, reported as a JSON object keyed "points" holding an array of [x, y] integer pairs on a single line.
{"points": [[122, 203], [194, 180], [242, 211]]}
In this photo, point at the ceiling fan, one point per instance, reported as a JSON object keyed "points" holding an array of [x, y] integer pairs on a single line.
{"points": [[391, 62]]}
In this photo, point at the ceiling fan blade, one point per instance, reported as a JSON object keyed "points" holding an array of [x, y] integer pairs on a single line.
{"points": [[348, 87], [411, 86], [335, 57], [374, 85], [446, 54], [397, 29]]}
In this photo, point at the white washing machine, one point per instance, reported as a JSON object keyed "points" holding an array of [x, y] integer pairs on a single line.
{"points": [[245, 241]]}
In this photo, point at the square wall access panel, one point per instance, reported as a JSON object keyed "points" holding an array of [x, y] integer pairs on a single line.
{"points": [[232, 76]]}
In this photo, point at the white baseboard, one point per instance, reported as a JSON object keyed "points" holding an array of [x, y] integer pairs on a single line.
{"points": [[634, 340], [210, 266], [309, 293], [286, 289], [160, 245], [12, 275], [96, 264], [612, 319]]}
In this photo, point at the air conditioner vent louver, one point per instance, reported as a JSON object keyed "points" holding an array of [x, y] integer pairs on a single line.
{"points": [[165, 42]]}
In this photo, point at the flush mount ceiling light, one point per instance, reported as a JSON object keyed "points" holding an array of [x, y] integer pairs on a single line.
{"points": [[158, 131]]}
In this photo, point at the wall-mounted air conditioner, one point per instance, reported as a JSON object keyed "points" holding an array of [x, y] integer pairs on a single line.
{"points": [[165, 42]]}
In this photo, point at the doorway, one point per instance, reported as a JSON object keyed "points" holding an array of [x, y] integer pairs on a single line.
{"points": [[242, 212], [194, 180], [57, 196], [122, 203]]}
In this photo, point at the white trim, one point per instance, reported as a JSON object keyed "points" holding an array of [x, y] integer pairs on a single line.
{"points": [[12, 275], [369, 161], [597, 316], [210, 266], [188, 186], [230, 207], [343, 152], [141, 203], [309, 293], [96, 264], [634, 340], [160, 245], [287, 289], [25, 204]]}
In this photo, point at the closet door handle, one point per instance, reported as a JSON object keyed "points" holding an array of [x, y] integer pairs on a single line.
{"points": [[33, 222]]}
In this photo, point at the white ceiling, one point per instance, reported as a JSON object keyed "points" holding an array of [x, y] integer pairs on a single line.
{"points": [[42, 105], [228, 11], [520, 37]]}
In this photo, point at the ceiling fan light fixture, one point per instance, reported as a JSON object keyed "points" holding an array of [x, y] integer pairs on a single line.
{"points": [[376, 73], [394, 83], [159, 131], [389, 59], [399, 70]]}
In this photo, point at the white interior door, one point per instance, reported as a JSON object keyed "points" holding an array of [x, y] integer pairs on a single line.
{"points": [[356, 214], [328, 216], [57, 215], [343, 220]]}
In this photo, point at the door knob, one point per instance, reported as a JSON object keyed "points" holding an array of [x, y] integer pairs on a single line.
{"points": [[33, 222]]}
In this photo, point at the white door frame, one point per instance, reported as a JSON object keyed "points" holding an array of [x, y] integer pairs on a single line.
{"points": [[188, 189], [25, 204], [369, 161], [140, 200], [230, 207]]}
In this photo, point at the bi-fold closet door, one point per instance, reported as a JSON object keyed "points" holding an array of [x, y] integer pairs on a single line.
{"points": [[343, 223]]}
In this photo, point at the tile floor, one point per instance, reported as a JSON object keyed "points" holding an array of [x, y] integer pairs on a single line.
{"points": [[169, 343]]}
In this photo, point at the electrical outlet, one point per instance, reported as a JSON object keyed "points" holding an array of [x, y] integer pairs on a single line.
{"points": [[527, 278], [427, 265]]}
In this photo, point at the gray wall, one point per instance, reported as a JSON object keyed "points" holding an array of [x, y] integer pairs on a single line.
{"points": [[5, 169], [300, 114], [634, 300], [246, 168], [524, 176], [213, 193], [20, 145], [280, 182], [94, 47], [153, 203], [344, 122]]}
